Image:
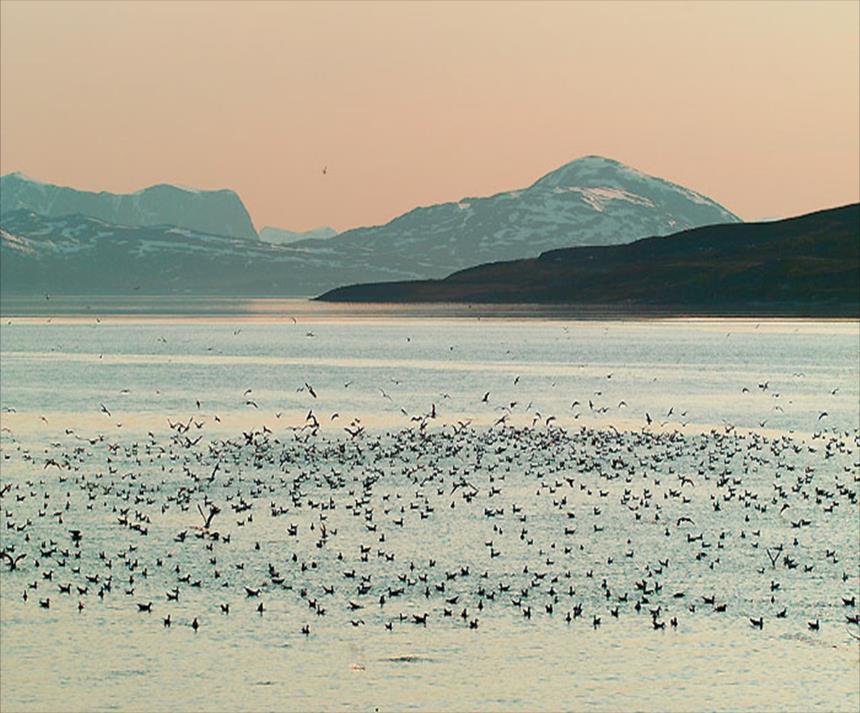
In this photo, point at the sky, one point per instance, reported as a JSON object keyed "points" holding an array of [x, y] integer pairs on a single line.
{"points": [[756, 105]]}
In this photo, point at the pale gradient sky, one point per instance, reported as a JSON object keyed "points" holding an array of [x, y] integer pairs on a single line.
{"points": [[755, 105]]}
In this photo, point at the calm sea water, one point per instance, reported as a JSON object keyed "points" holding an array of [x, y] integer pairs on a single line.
{"points": [[574, 490]]}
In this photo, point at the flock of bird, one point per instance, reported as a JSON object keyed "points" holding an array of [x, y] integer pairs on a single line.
{"points": [[437, 523]]}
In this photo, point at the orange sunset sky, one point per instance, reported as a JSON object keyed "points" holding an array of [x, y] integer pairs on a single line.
{"points": [[757, 105]]}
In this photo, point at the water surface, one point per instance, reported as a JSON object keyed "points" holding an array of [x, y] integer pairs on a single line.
{"points": [[743, 398]]}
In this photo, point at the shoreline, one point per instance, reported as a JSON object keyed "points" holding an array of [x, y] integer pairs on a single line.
{"points": [[160, 307]]}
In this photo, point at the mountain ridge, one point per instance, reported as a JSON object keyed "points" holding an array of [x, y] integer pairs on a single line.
{"points": [[220, 212]]}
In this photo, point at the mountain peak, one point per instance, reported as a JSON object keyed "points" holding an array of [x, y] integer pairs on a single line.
{"points": [[601, 178], [23, 178], [592, 171]]}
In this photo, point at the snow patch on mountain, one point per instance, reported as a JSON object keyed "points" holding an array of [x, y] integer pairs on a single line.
{"points": [[597, 198]]}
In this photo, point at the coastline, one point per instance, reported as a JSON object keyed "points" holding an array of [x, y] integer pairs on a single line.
{"points": [[88, 307]]}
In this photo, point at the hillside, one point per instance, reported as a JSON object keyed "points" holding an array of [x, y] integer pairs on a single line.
{"points": [[804, 265], [78, 255]]}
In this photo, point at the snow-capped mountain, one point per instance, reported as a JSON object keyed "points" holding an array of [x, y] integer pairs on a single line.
{"points": [[217, 212], [590, 201], [280, 236]]}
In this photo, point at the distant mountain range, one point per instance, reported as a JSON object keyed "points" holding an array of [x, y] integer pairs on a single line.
{"points": [[279, 236], [584, 222], [216, 212], [77, 255], [159, 240], [809, 265]]}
